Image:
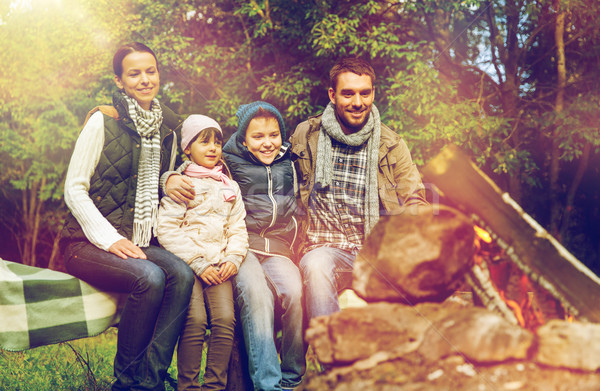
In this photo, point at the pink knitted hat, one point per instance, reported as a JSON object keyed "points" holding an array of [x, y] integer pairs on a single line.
{"points": [[193, 125]]}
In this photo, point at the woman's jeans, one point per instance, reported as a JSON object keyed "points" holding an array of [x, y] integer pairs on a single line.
{"points": [[214, 303], [158, 291], [269, 289], [326, 271]]}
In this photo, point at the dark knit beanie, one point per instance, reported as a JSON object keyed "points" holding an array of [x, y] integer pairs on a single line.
{"points": [[245, 113]]}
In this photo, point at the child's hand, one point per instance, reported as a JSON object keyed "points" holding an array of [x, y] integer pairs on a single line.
{"points": [[227, 270], [211, 276]]}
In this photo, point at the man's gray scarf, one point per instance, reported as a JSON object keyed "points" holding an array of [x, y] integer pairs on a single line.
{"points": [[147, 123], [371, 131]]}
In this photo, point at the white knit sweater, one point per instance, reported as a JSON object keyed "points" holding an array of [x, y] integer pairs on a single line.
{"points": [[83, 163]]}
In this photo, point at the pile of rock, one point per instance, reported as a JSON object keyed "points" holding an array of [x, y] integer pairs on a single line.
{"points": [[415, 335]]}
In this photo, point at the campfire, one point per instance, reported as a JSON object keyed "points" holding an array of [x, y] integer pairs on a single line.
{"points": [[516, 245], [498, 284], [419, 333]]}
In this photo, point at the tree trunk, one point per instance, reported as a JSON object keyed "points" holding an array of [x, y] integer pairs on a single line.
{"points": [[32, 211], [53, 261], [555, 207], [510, 88], [581, 168], [27, 232]]}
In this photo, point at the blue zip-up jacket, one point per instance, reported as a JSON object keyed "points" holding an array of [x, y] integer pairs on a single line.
{"points": [[269, 197]]}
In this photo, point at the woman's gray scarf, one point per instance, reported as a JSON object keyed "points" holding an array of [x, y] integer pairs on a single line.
{"points": [[371, 131], [147, 123]]}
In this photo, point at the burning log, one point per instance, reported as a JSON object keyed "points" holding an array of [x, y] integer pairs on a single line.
{"points": [[531, 248], [479, 279]]}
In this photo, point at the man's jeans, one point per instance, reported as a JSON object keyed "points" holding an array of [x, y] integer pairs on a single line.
{"points": [[158, 291], [326, 271], [262, 286]]}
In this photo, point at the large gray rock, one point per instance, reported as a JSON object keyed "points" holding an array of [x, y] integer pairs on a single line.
{"points": [[477, 334], [570, 345], [358, 333], [420, 255]]}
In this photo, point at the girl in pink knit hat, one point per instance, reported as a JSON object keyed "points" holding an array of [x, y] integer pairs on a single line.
{"points": [[209, 233]]}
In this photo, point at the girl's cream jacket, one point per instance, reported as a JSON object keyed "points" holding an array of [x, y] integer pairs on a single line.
{"points": [[207, 231]]}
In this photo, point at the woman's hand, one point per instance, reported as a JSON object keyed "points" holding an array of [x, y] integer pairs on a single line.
{"points": [[124, 248], [180, 188], [227, 270], [211, 276]]}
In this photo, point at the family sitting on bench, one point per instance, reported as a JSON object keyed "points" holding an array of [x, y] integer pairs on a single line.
{"points": [[271, 227]]}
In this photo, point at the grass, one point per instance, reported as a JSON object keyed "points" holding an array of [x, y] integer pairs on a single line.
{"points": [[84, 365]]}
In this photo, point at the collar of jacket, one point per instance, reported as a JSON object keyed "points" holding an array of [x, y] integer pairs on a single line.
{"points": [[171, 121]]}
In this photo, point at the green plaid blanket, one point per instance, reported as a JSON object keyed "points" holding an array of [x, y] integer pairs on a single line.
{"points": [[42, 306]]}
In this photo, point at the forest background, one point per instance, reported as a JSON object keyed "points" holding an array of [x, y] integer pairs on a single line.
{"points": [[514, 83]]}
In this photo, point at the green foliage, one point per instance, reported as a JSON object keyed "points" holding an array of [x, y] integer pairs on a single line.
{"points": [[576, 126], [437, 81], [427, 111], [290, 89], [45, 70], [39, 135], [331, 33]]}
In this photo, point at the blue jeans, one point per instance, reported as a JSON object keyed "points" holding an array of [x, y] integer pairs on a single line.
{"points": [[158, 291], [263, 286], [326, 271]]}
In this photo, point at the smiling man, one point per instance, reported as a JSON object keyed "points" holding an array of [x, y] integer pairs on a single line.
{"points": [[351, 168]]}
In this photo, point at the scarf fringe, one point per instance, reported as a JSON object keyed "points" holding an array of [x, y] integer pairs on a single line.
{"points": [[144, 229]]}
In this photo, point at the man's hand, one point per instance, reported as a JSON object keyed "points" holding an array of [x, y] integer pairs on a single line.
{"points": [[124, 248], [180, 188], [227, 270], [211, 276]]}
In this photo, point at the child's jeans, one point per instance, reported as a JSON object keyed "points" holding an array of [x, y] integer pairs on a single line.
{"points": [[209, 304], [269, 291]]}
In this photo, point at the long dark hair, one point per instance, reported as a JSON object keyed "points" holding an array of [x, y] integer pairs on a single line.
{"points": [[126, 49]]}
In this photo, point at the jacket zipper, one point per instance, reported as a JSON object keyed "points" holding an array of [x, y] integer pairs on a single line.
{"points": [[274, 215], [295, 231]]}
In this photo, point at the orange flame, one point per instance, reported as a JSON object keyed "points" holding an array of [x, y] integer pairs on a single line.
{"points": [[523, 302], [482, 234], [516, 309]]}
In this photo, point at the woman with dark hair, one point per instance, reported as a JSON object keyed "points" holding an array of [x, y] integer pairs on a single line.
{"points": [[112, 191]]}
